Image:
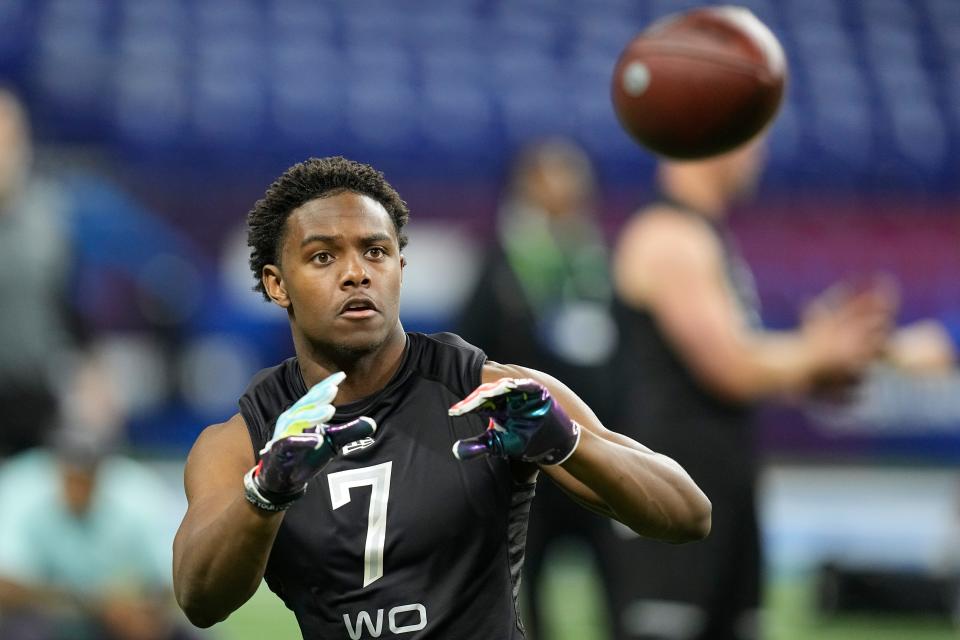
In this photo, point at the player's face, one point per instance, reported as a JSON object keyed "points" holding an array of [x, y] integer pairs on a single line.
{"points": [[559, 186], [340, 272]]}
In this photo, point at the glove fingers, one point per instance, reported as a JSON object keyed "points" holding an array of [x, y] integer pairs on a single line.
{"points": [[527, 385], [304, 419], [293, 460], [481, 395], [485, 444], [295, 447], [312, 409], [325, 390], [342, 434]]}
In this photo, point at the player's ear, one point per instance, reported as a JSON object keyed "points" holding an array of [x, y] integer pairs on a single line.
{"points": [[272, 279], [403, 261]]}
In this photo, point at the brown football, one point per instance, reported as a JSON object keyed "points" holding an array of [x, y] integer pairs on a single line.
{"points": [[699, 83]]}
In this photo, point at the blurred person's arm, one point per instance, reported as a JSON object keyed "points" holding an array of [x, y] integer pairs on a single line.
{"points": [[221, 548], [672, 265], [129, 616], [17, 594], [134, 616], [923, 347]]}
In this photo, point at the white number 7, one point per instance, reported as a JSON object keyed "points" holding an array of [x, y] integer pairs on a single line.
{"points": [[378, 477]]}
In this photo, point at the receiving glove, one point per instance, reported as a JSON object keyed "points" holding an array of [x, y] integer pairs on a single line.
{"points": [[524, 422], [302, 445]]}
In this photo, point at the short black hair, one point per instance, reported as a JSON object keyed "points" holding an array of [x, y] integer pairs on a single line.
{"points": [[308, 180]]}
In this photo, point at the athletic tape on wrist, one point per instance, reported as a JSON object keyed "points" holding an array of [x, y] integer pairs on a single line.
{"points": [[255, 496]]}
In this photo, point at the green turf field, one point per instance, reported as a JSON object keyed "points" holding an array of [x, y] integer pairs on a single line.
{"points": [[578, 614]]}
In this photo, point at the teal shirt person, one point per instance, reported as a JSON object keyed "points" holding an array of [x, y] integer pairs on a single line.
{"points": [[120, 542]]}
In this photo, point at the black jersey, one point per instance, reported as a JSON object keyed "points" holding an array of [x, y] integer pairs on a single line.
{"points": [[665, 406], [396, 538]]}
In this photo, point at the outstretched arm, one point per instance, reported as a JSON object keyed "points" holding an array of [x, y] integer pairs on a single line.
{"points": [[617, 476], [221, 549], [671, 265]]}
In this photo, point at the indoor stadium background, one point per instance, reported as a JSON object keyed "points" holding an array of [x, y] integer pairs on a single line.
{"points": [[167, 119]]}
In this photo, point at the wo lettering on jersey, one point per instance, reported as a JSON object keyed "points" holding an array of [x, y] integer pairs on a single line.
{"points": [[413, 617]]}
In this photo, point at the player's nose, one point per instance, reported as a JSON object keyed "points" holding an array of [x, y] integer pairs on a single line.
{"points": [[354, 273]]}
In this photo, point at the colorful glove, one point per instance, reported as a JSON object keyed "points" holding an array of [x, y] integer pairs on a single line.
{"points": [[524, 421], [301, 447]]}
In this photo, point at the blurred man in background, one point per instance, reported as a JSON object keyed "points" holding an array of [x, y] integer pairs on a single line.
{"points": [[35, 324], [543, 287], [75, 251], [85, 533], [694, 361]]}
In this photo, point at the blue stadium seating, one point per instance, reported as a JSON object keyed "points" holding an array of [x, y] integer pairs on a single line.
{"points": [[464, 81]]}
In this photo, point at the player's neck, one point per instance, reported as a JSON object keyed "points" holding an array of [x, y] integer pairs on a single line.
{"points": [[367, 373], [701, 195]]}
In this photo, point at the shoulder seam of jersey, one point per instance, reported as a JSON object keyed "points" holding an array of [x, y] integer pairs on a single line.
{"points": [[475, 354]]}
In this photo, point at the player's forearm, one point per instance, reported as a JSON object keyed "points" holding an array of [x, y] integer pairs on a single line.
{"points": [[646, 491], [785, 363], [219, 561], [762, 365]]}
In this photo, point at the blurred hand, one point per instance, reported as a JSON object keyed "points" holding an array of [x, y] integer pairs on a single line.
{"points": [[846, 328], [129, 617], [924, 347]]}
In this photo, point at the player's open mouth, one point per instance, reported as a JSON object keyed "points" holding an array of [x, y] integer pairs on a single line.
{"points": [[358, 307]]}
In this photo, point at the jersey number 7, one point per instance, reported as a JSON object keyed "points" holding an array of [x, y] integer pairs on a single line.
{"points": [[378, 478]]}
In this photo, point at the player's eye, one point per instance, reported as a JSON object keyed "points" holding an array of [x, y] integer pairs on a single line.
{"points": [[376, 252], [322, 257]]}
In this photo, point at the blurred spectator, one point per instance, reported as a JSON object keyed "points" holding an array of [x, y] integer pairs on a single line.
{"points": [[85, 536], [693, 363], [35, 326], [77, 256], [545, 283], [542, 298]]}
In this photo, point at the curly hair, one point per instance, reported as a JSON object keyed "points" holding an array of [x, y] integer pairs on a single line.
{"points": [[314, 178]]}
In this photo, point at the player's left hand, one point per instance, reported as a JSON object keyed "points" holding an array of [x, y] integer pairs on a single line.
{"points": [[524, 422]]}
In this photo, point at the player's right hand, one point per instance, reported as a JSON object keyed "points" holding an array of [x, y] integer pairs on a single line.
{"points": [[302, 445], [846, 328]]}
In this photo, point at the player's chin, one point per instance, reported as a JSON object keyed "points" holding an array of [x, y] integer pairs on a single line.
{"points": [[360, 337]]}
